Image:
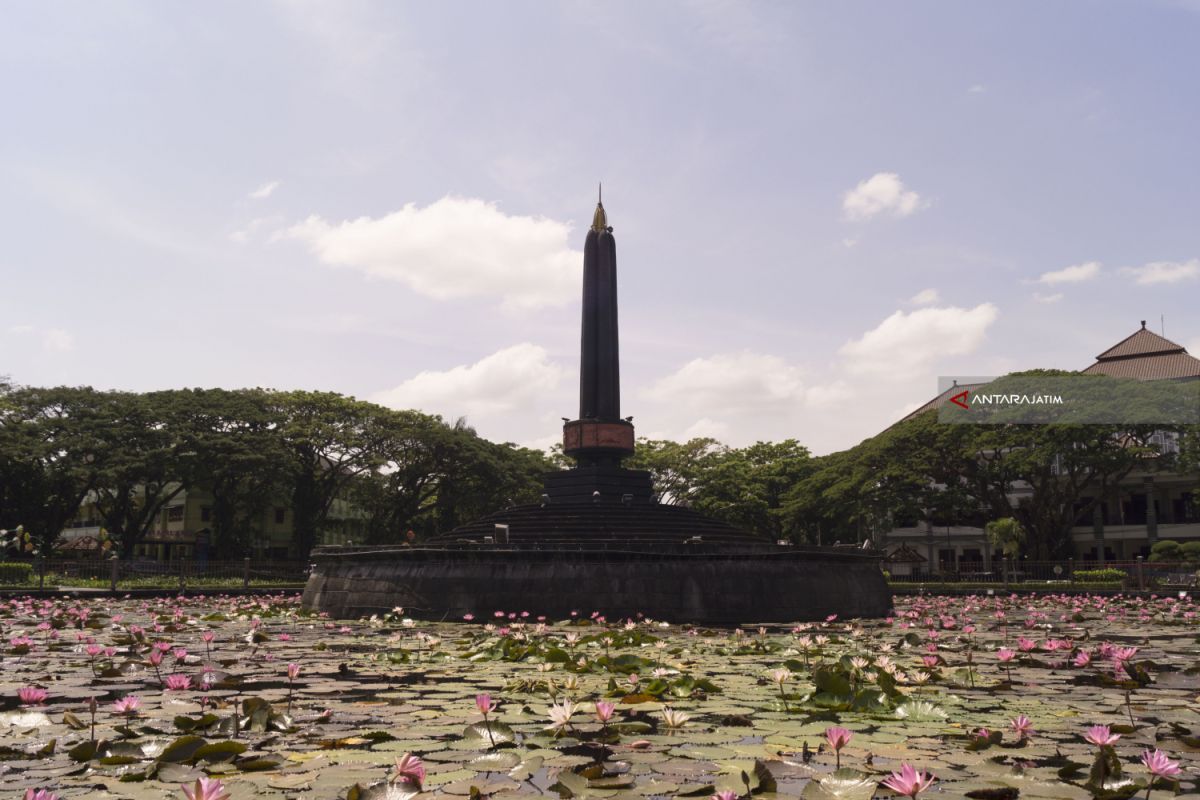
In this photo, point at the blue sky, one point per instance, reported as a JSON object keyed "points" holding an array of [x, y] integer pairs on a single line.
{"points": [[819, 208]]}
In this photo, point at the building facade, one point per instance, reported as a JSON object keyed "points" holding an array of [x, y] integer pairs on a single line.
{"points": [[1152, 503]]}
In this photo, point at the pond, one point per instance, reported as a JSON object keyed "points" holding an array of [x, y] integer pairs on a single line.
{"points": [[995, 697]]}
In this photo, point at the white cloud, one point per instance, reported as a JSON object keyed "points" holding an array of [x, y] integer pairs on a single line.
{"points": [[53, 340], [1038, 297], [977, 88], [907, 343], [830, 395], [264, 191], [1164, 272], [924, 297], [881, 193], [1073, 274], [504, 381], [730, 383], [455, 247]]}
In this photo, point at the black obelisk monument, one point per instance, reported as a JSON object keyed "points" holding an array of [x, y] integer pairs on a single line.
{"points": [[599, 439], [599, 539]]}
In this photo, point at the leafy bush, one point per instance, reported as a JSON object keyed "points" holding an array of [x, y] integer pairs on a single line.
{"points": [[1191, 551], [1107, 575], [15, 572], [1166, 550]]}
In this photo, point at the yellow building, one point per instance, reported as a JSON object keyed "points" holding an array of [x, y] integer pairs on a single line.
{"points": [[183, 530]]}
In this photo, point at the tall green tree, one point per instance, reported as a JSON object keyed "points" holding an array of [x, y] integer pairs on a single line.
{"points": [[146, 472], [331, 440], [677, 469], [231, 446], [747, 487], [53, 444]]}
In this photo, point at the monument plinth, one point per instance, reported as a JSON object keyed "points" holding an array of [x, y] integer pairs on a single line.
{"points": [[600, 540]]}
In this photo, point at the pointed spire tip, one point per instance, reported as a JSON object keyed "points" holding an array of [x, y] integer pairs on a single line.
{"points": [[600, 219]]}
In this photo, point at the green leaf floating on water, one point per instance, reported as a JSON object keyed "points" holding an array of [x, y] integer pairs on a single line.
{"points": [[219, 751], [499, 761], [23, 718], [478, 735], [84, 751], [526, 769], [182, 749]]}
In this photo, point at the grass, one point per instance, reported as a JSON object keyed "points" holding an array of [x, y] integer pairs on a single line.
{"points": [[155, 582]]}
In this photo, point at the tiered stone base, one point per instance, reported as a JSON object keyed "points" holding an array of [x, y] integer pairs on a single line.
{"points": [[676, 585]]}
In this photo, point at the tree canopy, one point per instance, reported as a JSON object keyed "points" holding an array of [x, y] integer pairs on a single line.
{"points": [[131, 455]]}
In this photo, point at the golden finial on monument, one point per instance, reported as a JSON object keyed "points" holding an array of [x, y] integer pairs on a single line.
{"points": [[600, 219]]}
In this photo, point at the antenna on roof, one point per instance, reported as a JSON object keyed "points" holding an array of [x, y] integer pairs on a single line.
{"points": [[1143, 324], [1162, 325]]}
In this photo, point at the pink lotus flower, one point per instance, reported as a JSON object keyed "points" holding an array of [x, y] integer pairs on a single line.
{"points": [[177, 683], [1123, 654], [1022, 727], [1160, 766], [485, 703], [127, 705], [838, 738], [1026, 645], [931, 661], [604, 711], [908, 781], [32, 695], [1100, 735], [725, 795], [40, 794], [409, 769], [1083, 658], [208, 637], [293, 671], [205, 789]]}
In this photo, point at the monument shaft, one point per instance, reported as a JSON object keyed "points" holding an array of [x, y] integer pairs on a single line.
{"points": [[599, 363], [599, 437]]}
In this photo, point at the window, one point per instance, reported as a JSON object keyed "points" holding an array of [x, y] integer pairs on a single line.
{"points": [[1165, 441], [205, 513], [280, 515], [946, 560], [175, 514]]}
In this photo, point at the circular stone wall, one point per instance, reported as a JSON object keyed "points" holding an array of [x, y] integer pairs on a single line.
{"points": [[739, 588]]}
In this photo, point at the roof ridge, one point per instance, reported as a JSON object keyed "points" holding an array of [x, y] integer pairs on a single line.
{"points": [[1154, 345]]}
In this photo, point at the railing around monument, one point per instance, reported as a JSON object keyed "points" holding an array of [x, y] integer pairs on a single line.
{"points": [[1049, 575], [119, 574]]}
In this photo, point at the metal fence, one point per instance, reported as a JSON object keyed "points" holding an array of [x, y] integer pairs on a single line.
{"points": [[1136, 574], [116, 574]]}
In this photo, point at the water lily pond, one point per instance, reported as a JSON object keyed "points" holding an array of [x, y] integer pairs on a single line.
{"points": [[997, 697]]}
